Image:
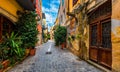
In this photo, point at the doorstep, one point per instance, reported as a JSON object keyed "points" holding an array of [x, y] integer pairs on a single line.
{"points": [[99, 66]]}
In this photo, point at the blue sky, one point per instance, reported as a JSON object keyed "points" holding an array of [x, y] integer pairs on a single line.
{"points": [[50, 8]]}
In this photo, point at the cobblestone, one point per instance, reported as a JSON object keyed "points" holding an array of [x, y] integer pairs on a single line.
{"points": [[59, 61]]}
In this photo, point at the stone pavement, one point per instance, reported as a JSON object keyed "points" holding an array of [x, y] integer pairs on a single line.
{"points": [[58, 61]]}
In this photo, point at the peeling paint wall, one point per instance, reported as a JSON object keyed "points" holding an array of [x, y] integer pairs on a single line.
{"points": [[116, 35]]}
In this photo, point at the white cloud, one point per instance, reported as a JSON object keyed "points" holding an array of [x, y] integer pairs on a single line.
{"points": [[49, 18], [56, 2], [51, 12], [52, 9], [45, 9]]}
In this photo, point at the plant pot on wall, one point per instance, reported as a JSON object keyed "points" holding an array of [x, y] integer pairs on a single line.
{"points": [[1, 70], [63, 45], [32, 51], [5, 63], [27, 51]]}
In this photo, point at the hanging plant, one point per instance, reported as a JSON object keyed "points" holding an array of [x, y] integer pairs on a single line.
{"points": [[78, 36], [71, 38]]}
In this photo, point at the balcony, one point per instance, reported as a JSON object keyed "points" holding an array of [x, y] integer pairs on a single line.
{"points": [[27, 4]]}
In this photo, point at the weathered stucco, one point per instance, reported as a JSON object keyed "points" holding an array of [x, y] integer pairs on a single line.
{"points": [[116, 45], [116, 35], [116, 9]]}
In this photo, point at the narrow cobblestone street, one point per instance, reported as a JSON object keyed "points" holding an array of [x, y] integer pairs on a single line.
{"points": [[59, 61]]}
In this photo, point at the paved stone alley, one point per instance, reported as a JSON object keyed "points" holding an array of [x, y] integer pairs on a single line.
{"points": [[59, 61]]}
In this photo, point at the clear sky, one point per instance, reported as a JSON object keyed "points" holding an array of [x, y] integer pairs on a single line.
{"points": [[50, 8]]}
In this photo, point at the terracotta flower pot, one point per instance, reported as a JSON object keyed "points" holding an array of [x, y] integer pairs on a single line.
{"points": [[1, 70], [62, 45], [32, 51], [5, 63], [27, 51]]}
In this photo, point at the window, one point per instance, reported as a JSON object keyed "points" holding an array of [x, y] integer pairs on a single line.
{"points": [[106, 34], [5, 27], [94, 35]]}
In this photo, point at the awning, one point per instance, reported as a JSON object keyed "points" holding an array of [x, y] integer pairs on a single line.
{"points": [[26, 4]]}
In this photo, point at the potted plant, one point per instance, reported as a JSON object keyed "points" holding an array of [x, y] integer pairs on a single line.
{"points": [[1, 67], [3, 52], [32, 51], [60, 36], [27, 28], [5, 63], [32, 44], [27, 51], [13, 42], [4, 55]]}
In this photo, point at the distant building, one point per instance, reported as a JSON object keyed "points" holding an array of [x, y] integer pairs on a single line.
{"points": [[44, 28], [38, 5]]}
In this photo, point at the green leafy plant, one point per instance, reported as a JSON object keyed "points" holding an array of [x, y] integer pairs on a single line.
{"points": [[1, 66], [48, 36], [27, 29], [69, 38], [60, 35], [78, 36], [4, 50], [13, 42], [12, 61]]}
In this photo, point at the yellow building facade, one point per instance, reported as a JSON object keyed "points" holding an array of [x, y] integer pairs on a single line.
{"points": [[108, 18], [8, 15], [116, 36], [9, 9], [72, 26]]}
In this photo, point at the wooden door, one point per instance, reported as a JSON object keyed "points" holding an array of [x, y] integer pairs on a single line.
{"points": [[100, 50], [100, 43]]}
